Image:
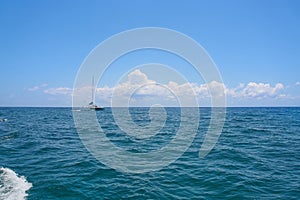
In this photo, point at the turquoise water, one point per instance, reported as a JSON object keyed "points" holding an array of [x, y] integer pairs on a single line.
{"points": [[256, 157]]}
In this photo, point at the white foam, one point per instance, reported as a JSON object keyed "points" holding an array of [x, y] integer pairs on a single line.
{"points": [[13, 186]]}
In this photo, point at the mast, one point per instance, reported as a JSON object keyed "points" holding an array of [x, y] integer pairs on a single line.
{"points": [[93, 90]]}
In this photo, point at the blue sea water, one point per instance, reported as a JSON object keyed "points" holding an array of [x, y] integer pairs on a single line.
{"points": [[257, 157]]}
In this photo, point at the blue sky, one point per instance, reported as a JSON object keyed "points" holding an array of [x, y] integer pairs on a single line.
{"points": [[43, 44]]}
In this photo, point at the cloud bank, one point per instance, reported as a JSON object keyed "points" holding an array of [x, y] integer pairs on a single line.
{"points": [[139, 90]]}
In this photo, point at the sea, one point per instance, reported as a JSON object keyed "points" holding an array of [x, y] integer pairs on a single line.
{"points": [[257, 156]]}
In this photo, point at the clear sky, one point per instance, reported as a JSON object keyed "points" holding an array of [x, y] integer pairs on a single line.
{"points": [[255, 44]]}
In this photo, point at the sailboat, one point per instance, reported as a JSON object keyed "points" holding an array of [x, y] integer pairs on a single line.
{"points": [[91, 105]]}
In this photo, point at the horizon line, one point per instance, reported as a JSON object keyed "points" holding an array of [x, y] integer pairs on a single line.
{"points": [[268, 106]]}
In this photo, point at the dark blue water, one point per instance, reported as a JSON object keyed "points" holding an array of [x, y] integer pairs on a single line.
{"points": [[257, 157]]}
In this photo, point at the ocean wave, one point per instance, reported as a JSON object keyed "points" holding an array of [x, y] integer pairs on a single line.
{"points": [[13, 186], [3, 120]]}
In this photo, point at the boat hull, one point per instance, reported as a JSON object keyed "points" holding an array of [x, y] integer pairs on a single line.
{"points": [[97, 108]]}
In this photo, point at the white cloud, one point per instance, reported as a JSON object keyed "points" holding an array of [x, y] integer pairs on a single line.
{"points": [[59, 91], [261, 90], [138, 78], [138, 88], [297, 83], [255, 90], [35, 88]]}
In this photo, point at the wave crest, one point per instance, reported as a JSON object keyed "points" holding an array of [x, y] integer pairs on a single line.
{"points": [[13, 186]]}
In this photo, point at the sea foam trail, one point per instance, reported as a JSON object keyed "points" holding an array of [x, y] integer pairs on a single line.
{"points": [[12, 186]]}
